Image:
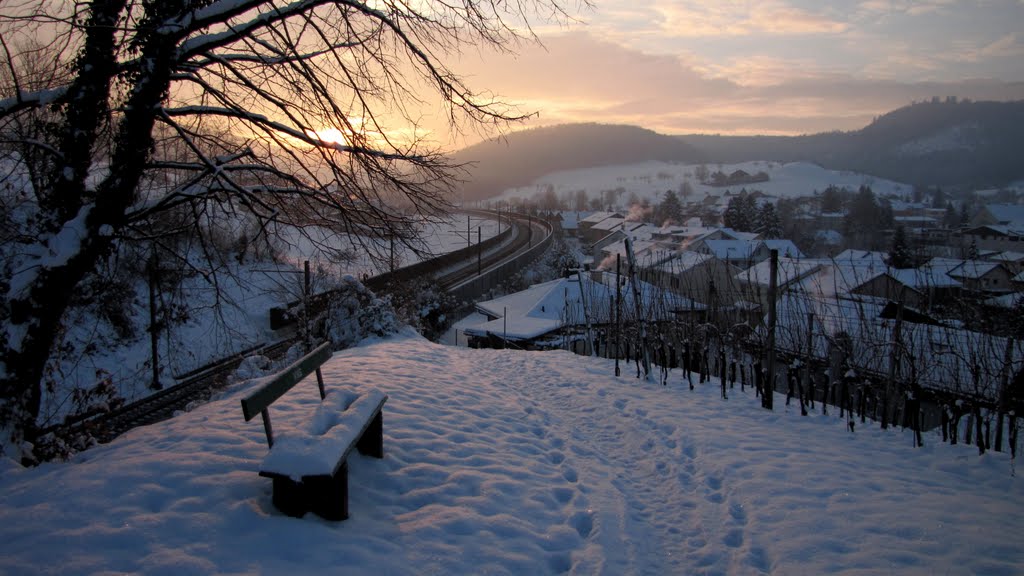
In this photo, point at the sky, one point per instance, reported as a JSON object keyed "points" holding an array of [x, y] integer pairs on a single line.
{"points": [[767, 67]]}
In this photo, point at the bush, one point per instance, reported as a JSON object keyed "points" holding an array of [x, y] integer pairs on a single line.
{"points": [[355, 313]]}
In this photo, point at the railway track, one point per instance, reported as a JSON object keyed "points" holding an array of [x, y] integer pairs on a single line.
{"points": [[198, 385]]}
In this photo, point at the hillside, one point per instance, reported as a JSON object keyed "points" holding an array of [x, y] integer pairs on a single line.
{"points": [[953, 144], [956, 144], [522, 157]]}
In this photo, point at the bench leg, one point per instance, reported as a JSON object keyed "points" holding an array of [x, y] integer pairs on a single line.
{"points": [[289, 497], [372, 441], [328, 495]]}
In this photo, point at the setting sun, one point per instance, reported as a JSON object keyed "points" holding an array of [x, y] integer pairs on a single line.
{"points": [[330, 136]]}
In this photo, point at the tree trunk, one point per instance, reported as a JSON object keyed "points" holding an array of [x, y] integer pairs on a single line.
{"points": [[36, 312], [51, 292]]}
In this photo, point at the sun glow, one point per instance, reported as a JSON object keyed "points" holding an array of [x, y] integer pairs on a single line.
{"points": [[330, 136]]}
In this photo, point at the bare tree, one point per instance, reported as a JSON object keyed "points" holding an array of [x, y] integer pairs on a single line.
{"points": [[277, 112]]}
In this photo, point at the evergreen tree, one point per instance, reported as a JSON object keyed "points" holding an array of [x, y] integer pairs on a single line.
{"points": [[741, 213], [671, 209], [899, 251], [768, 223], [832, 200], [965, 214], [951, 219]]}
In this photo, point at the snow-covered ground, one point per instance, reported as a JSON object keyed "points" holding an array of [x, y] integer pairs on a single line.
{"points": [[650, 180], [506, 462]]}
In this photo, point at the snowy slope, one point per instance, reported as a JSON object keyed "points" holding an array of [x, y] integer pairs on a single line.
{"points": [[504, 462]]}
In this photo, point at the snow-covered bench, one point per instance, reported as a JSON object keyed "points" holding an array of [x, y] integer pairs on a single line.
{"points": [[309, 467]]}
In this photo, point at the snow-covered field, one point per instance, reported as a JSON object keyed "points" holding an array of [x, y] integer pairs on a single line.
{"points": [[506, 462], [651, 179]]}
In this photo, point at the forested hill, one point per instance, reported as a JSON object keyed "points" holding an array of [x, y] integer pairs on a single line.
{"points": [[950, 143], [525, 156]]}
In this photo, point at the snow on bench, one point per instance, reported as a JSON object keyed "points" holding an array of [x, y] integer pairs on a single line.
{"points": [[309, 467]]}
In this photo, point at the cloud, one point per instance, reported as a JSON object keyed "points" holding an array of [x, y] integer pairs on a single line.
{"points": [[580, 78], [772, 17]]}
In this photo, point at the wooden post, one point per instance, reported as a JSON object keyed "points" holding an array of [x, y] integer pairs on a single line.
{"points": [[631, 260], [893, 361], [618, 313], [808, 379], [767, 396], [1003, 386]]}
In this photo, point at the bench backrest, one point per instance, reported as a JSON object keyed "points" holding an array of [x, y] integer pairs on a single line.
{"points": [[283, 381]]}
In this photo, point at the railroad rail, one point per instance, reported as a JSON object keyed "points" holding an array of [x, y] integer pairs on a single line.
{"points": [[197, 385]]}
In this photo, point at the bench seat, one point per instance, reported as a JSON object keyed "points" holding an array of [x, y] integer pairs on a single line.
{"points": [[341, 419]]}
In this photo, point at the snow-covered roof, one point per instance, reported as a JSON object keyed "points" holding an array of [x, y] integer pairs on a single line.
{"points": [[731, 249], [1008, 256], [546, 307], [682, 261], [596, 217], [926, 277], [1011, 215], [610, 223], [789, 270], [974, 269], [1001, 229], [851, 256], [648, 252], [737, 235], [834, 279], [785, 247]]}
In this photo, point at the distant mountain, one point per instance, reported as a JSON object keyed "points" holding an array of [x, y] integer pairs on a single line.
{"points": [[522, 157], [954, 144]]}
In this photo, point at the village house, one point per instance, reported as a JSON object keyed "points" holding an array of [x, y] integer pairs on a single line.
{"points": [[983, 277], [699, 277], [996, 227], [585, 224], [754, 283]]}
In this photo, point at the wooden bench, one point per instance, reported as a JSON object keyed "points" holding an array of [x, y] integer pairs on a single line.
{"points": [[309, 467]]}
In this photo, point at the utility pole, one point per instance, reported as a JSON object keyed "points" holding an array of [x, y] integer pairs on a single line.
{"points": [[479, 252]]}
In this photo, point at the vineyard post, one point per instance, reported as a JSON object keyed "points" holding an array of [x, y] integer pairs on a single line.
{"points": [[893, 361], [768, 393], [1004, 385]]}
